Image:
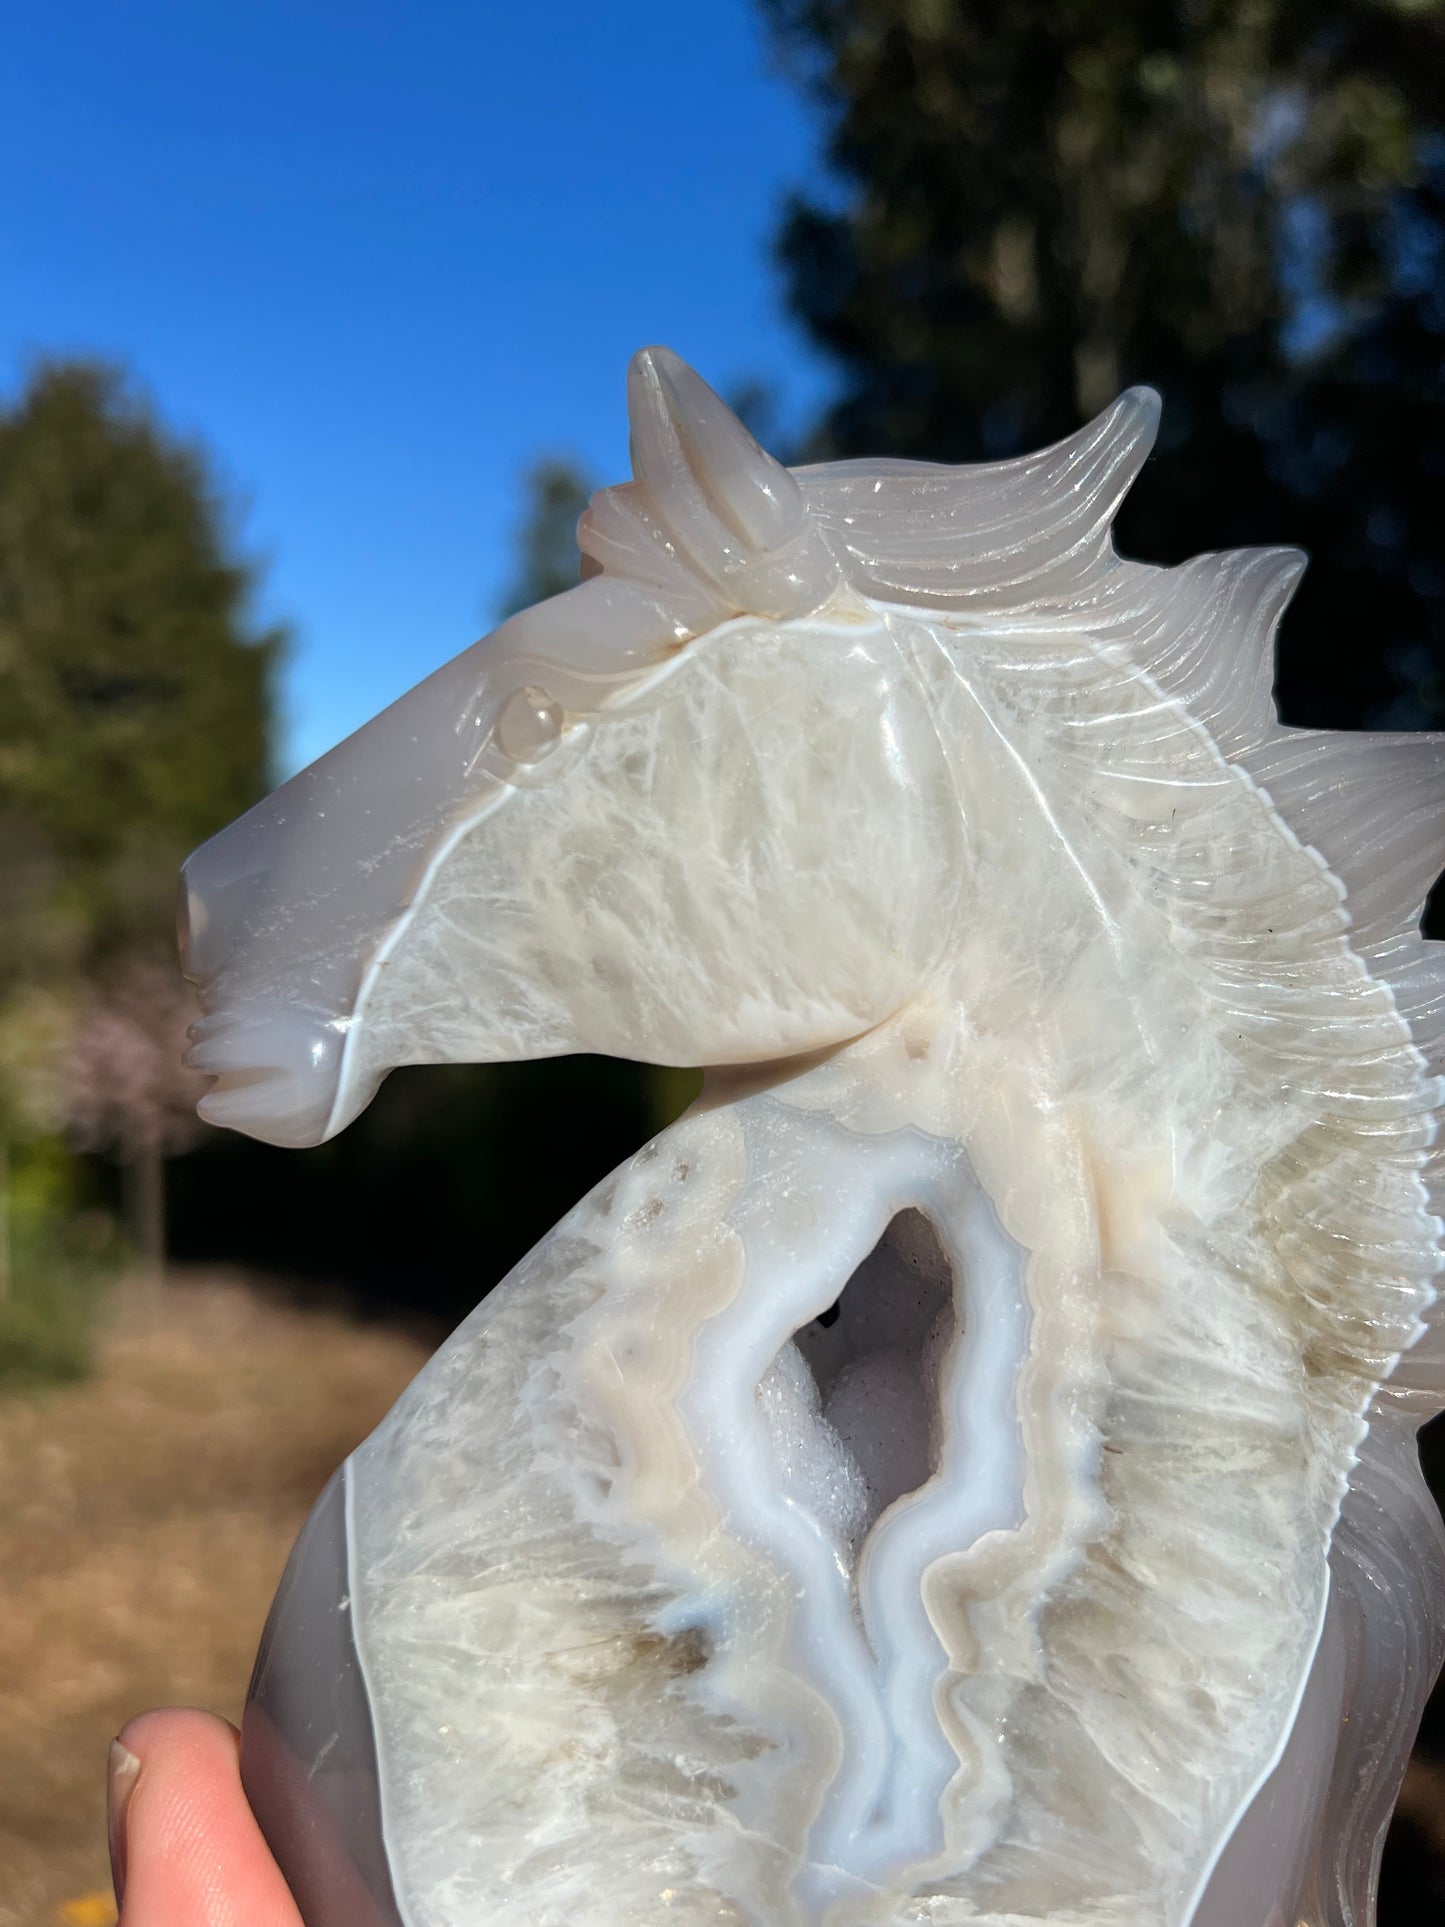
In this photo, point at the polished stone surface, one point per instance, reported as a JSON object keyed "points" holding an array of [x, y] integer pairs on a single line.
{"points": [[963, 1471]]}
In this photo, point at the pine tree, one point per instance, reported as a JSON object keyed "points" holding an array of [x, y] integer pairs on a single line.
{"points": [[134, 691], [134, 722]]}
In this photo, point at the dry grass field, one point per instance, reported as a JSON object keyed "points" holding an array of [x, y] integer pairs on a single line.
{"points": [[144, 1519]]}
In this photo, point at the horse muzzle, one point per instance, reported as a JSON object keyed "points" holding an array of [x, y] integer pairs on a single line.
{"points": [[277, 1072]]}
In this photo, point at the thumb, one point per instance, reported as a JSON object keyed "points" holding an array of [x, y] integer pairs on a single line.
{"points": [[185, 1849]]}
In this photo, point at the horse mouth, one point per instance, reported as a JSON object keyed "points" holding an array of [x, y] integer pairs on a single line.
{"points": [[277, 1072]]}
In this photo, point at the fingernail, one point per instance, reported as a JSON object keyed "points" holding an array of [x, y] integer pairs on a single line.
{"points": [[121, 1776]]}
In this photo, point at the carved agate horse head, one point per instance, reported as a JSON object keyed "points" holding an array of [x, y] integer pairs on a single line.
{"points": [[963, 1472]]}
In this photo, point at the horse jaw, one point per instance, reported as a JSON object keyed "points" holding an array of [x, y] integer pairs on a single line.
{"points": [[291, 916]]}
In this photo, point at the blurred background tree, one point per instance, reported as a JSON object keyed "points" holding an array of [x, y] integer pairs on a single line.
{"points": [[127, 1091], [1241, 202], [135, 716], [135, 694]]}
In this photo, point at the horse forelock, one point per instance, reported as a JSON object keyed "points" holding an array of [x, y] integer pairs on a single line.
{"points": [[990, 537]]}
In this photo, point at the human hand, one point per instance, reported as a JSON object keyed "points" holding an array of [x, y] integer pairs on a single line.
{"points": [[185, 1849]]}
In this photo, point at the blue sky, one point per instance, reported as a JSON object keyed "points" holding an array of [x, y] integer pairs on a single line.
{"points": [[378, 257]]}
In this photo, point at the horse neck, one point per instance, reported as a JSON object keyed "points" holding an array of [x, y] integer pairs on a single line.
{"points": [[1136, 1024]]}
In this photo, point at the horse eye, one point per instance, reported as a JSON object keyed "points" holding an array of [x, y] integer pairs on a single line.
{"points": [[529, 726]]}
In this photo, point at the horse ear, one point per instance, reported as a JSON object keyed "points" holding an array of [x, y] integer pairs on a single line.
{"points": [[690, 452], [734, 516]]}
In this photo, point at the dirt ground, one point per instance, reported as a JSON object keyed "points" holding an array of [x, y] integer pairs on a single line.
{"points": [[145, 1516]]}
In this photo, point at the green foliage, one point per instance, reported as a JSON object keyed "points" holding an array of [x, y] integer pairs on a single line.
{"points": [[1242, 202], [134, 718], [61, 1257], [47, 1327], [134, 697]]}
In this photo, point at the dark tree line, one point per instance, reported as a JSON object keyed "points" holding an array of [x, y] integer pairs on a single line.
{"points": [[1241, 202]]}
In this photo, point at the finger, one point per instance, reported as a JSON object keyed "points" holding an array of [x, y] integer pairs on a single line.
{"points": [[185, 1846]]}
